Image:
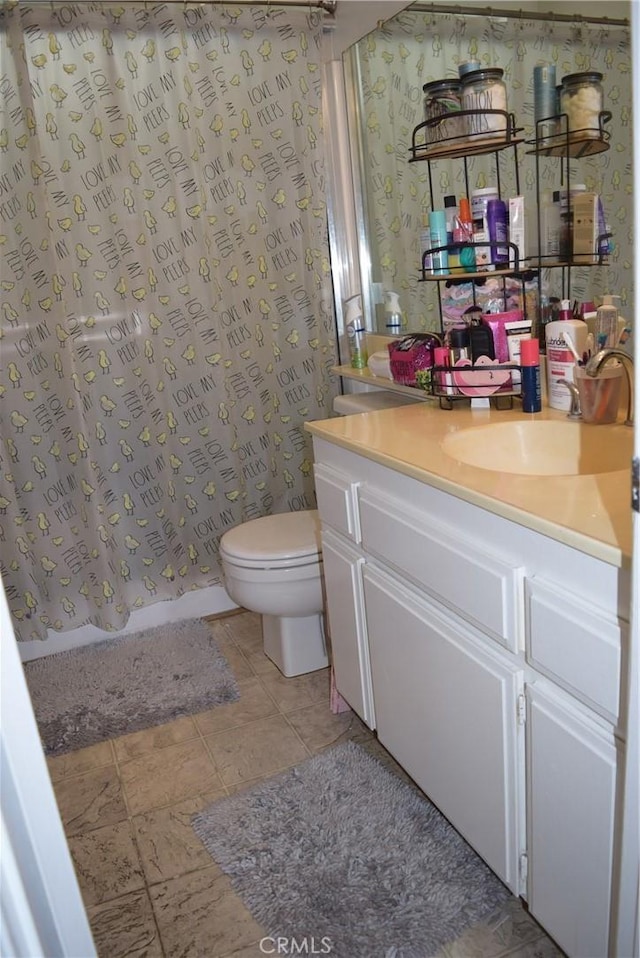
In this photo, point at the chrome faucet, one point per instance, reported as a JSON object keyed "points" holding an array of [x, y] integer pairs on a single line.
{"points": [[595, 364], [575, 411]]}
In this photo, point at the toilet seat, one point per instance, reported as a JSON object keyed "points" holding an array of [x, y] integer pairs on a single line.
{"points": [[282, 541], [283, 565]]}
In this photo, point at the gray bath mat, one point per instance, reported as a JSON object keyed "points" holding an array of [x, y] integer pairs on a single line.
{"points": [[339, 848], [127, 684]]}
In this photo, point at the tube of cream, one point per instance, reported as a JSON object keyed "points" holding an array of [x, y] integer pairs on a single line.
{"points": [[517, 331], [497, 323]]}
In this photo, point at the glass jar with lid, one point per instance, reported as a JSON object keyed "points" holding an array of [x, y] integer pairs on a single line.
{"points": [[483, 92], [442, 107], [581, 100]]}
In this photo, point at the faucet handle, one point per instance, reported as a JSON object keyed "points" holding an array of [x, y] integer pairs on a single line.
{"points": [[575, 412]]}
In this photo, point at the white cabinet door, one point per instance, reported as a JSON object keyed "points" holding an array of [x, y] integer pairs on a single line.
{"points": [[446, 709], [347, 625], [571, 799]]}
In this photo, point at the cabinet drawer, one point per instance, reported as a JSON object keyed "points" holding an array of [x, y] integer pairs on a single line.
{"points": [[576, 645], [483, 588], [337, 496]]}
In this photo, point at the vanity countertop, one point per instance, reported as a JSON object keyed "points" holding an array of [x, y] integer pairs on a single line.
{"points": [[591, 513]]}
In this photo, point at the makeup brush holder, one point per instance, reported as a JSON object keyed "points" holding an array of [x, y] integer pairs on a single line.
{"points": [[599, 395]]}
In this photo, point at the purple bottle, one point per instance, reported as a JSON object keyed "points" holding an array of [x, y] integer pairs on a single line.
{"points": [[498, 226]]}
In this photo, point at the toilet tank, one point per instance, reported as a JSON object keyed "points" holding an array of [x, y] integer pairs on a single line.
{"points": [[368, 402]]}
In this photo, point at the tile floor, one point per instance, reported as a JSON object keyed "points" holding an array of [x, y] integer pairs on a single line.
{"points": [[149, 886]]}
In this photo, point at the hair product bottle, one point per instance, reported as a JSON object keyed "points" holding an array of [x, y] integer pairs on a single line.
{"points": [[498, 223], [450, 215], [479, 202], [463, 232], [438, 231], [424, 243]]}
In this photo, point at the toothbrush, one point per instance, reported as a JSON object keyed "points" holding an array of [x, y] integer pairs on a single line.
{"points": [[573, 349], [590, 345]]}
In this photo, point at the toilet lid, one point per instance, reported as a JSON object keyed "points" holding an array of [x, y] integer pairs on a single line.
{"points": [[288, 535]]}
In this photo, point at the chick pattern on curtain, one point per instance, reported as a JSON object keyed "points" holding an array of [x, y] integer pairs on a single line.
{"points": [[167, 313], [414, 48]]}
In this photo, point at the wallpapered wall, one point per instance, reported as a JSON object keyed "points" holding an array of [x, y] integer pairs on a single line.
{"points": [[413, 48]]}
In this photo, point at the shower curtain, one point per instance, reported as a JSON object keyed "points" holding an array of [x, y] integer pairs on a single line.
{"points": [[166, 303]]}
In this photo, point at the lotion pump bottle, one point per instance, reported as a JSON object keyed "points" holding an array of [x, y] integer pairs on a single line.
{"points": [[394, 320], [561, 358]]}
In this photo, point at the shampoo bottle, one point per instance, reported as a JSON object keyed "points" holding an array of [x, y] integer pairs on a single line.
{"points": [[394, 320], [561, 358]]}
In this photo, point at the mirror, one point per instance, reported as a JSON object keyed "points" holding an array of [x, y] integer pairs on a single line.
{"points": [[385, 73]]}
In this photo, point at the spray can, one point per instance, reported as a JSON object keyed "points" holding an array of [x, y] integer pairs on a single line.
{"points": [[394, 320], [356, 332], [530, 364]]}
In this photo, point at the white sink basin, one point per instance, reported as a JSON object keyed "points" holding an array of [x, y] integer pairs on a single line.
{"points": [[543, 448]]}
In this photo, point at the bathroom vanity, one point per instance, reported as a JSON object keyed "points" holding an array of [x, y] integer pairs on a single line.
{"points": [[478, 623]]}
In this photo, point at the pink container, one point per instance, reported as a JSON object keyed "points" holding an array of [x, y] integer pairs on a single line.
{"points": [[496, 323], [410, 354]]}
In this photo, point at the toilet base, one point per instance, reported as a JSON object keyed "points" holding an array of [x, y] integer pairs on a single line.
{"points": [[295, 644]]}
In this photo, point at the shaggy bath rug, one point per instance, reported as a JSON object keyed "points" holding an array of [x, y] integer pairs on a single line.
{"points": [[127, 683], [340, 851]]}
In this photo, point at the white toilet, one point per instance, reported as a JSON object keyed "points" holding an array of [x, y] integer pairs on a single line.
{"points": [[273, 565]]}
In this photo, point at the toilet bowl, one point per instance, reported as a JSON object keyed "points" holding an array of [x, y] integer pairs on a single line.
{"points": [[273, 565]]}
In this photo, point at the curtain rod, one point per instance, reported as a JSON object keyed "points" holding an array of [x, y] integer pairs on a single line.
{"points": [[515, 14], [329, 6]]}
